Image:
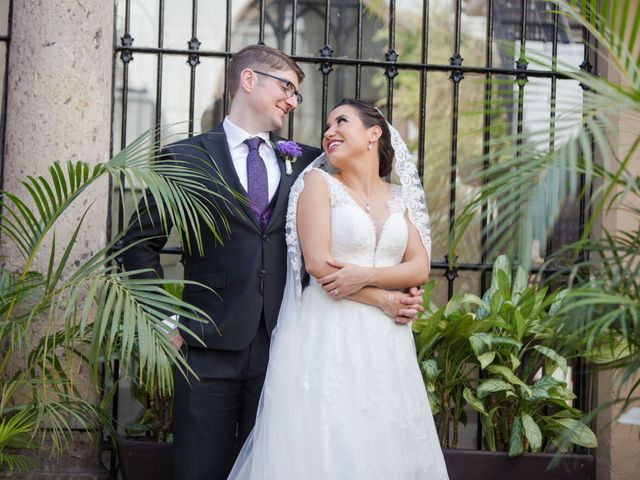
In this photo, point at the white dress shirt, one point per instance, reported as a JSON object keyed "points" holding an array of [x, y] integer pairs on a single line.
{"points": [[239, 151]]}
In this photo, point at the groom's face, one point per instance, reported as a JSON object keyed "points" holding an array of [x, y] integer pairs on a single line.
{"points": [[270, 99]]}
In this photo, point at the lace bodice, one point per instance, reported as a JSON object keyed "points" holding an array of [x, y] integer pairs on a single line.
{"points": [[354, 238]]}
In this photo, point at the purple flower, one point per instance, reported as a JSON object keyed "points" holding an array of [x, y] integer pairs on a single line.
{"points": [[289, 149]]}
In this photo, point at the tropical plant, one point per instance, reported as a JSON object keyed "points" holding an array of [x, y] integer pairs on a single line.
{"points": [[493, 355], [537, 174], [89, 312], [155, 420], [446, 360]]}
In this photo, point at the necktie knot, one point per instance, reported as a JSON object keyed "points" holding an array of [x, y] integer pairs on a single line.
{"points": [[253, 143]]}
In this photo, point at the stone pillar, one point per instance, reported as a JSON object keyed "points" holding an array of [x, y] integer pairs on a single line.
{"points": [[59, 108], [59, 100]]}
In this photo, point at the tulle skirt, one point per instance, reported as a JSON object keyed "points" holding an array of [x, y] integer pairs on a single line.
{"points": [[343, 399]]}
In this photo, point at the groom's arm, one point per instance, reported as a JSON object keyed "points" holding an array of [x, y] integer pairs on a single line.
{"points": [[145, 237]]}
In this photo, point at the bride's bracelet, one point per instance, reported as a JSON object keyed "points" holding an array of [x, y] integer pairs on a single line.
{"points": [[388, 310]]}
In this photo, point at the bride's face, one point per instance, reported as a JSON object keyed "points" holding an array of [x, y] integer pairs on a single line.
{"points": [[345, 136]]}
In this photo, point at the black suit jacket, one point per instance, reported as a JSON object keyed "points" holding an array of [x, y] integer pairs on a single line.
{"points": [[247, 271]]}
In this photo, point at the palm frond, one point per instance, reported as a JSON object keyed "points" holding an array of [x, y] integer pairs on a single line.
{"points": [[533, 175], [92, 313], [15, 432], [527, 183]]}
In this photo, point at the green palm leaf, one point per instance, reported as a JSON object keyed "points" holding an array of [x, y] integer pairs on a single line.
{"points": [[15, 432], [528, 183], [92, 313], [532, 176]]}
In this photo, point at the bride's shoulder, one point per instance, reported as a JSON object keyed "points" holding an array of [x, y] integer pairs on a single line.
{"points": [[320, 184], [317, 172], [317, 175], [316, 179]]}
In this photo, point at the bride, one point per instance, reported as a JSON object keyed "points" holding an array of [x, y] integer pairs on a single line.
{"points": [[343, 396]]}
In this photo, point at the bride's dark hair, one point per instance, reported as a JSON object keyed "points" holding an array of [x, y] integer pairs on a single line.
{"points": [[371, 116]]}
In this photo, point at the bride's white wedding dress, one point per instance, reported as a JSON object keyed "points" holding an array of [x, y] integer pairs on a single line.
{"points": [[344, 397]]}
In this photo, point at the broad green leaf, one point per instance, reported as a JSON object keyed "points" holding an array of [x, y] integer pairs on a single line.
{"points": [[492, 385], [557, 303], [502, 265], [475, 403], [486, 358], [505, 341], [516, 443], [509, 375], [559, 361], [576, 432], [515, 362], [426, 296], [520, 324], [504, 284], [539, 393], [532, 432], [519, 282], [453, 305], [430, 369], [606, 353], [471, 299], [547, 382], [480, 342]]}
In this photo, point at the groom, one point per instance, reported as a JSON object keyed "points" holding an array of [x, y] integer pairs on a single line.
{"points": [[214, 414]]}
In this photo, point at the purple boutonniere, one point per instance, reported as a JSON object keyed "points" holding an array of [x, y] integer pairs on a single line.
{"points": [[290, 150]]}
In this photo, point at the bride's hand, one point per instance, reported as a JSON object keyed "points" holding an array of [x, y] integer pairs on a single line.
{"points": [[347, 280]]}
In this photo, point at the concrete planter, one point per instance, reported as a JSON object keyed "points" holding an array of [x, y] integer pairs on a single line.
{"points": [[141, 459], [483, 465]]}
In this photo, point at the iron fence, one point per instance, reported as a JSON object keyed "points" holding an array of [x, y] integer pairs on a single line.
{"points": [[364, 49]]}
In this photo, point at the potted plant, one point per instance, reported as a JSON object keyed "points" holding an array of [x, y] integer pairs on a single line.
{"points": [[591, 160], [88, 312], [494, 354], [146, 449]]}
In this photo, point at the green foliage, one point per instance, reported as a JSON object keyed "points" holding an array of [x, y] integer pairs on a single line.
{"points": [[15, 432], [155, 421], [493, 355], [534, 176], [88, 311]]}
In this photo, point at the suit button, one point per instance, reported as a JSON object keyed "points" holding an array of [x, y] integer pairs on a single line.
{"points": [[261, 273], [265, 237]]}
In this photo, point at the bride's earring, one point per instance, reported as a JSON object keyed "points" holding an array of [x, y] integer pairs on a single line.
{"points": [[370, 146]]}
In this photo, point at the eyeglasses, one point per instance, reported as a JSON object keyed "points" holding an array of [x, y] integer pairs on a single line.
{"points": [[289, 88]]}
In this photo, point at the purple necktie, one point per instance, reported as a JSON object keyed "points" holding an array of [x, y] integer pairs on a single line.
{"points": [[257, 185]]}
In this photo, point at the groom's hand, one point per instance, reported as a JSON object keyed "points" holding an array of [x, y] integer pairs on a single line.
{"points": [[348, 279], [173, 332], [176, 340], [413, 305]]}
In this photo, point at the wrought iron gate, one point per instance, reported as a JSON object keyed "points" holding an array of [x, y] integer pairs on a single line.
{"points": [[425, 63]]}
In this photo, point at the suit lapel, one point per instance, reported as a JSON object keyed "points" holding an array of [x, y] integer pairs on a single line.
{"points": [[215, 142]]}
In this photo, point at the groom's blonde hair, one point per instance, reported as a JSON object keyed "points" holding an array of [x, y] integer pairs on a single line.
{"points": [[259, 57]]}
